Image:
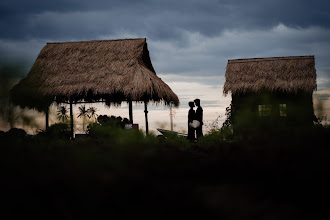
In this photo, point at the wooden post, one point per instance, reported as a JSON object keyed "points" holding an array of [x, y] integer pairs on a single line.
{"points": [[47, 118], [71, 119], [130, 107], [171, 116], [146, 116]]}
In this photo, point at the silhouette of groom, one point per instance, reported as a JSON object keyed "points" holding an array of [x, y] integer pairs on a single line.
{"points": [[199, 117], [191, 117]]}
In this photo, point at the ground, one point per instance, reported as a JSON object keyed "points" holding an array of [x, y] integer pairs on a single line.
{"points": [[132, 176]]}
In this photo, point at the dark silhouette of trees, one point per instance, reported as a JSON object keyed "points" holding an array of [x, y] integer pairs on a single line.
{"points": [[92, 113], [83, 113], [228, 122], [62, 114]]}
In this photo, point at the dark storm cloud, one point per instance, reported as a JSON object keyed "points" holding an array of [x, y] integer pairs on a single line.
{"points": [[85, 19], [185, 38]]}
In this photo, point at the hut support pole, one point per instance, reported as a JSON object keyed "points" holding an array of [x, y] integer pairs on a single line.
{"points": [[171, 116], [71, 119], [47, 118], [130, 107], [146, 115]]}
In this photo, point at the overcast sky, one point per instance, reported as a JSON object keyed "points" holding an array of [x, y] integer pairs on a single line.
{"points": [[190, 41]]}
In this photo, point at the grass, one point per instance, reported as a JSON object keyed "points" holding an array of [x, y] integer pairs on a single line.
{"points": [[124, 174]]}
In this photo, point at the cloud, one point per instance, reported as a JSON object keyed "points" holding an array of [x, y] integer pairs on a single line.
{"points": [[188, 37], [323, 84], [21, 51], [204, 58], [155, 18]]}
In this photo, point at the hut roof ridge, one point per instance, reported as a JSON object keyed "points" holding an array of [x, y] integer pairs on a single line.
{"points": [[95, 41], [260, 59]]}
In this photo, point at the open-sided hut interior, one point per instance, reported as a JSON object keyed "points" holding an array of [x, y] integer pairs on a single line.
{"points": [[276, 91], [110, 71]]}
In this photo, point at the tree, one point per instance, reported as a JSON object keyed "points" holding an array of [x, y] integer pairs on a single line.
{"points": [[10, 113], [62, 114], [229, 116], [92, 113], [83, 112]]}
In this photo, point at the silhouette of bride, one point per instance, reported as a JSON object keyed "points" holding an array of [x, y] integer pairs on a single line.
{"points": [[191, 118]]}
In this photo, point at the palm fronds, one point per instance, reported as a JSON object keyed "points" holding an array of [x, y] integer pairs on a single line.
{"points": [[62, 113], [92, 113]]}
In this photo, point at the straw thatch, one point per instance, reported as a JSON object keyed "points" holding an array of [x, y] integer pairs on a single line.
{"points": [[275, 74], [108, 70]]}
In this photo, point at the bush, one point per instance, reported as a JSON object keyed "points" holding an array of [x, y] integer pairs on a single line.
{"points": [[215, 138], [58, 130], [112, 121], [16, 133]]}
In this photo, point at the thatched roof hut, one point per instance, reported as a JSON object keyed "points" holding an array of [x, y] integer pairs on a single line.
{"points": [[271, 93], [111, 70], [274, 74]]}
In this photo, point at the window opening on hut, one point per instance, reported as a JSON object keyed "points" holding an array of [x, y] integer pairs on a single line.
{"points": [[283, 110], [264, 110]]}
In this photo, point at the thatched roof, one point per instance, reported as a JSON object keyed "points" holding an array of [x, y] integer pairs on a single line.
{"points": [[282, 74], [112, 70]]}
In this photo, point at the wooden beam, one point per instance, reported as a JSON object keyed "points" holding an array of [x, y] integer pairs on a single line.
{"points": [[130, 107], [83, 102], [47, 118], [146, 116], [71, 120]]}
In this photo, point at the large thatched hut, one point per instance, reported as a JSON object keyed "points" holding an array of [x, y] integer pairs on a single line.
{"points": [[110, 71], [276, 91]]}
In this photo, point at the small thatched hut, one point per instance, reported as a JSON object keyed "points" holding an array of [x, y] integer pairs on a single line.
{"points": [[111, 71], [277, 90]]}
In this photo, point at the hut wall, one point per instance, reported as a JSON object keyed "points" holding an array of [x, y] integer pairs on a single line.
{"points": [[272, 110]]}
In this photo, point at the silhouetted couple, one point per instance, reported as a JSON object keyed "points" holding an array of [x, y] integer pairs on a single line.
{"points": [[195, 120]]}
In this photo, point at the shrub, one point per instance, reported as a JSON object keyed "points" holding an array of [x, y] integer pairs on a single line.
{"points": [[16, 133], [112, 121], [58, 130], [215, 138]]}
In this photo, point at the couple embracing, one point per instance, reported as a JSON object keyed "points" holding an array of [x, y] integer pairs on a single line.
{"points": [[195, 120]]}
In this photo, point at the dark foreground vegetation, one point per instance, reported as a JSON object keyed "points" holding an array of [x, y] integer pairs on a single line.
{"points": [[124, 174]]}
